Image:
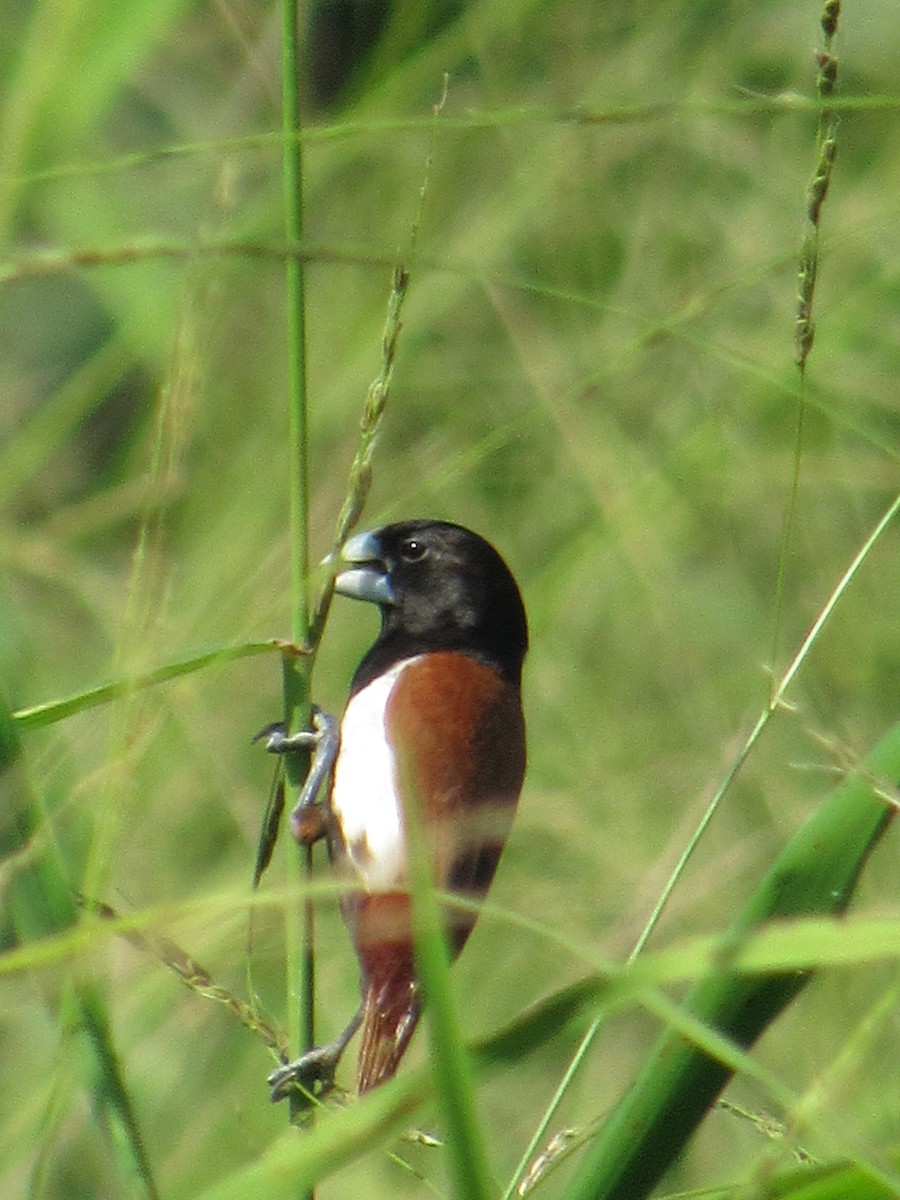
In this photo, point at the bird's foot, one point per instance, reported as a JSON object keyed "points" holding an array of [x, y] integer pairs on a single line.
{"points": [[322, 741], [310, 1076], [278, 741]]}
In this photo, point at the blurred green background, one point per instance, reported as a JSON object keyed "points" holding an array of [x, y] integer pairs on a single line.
{"points": [[595, 371]]}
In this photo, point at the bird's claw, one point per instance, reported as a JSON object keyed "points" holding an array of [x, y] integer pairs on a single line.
{"points": [[311, 1075], [277, 740], [321, 740]]}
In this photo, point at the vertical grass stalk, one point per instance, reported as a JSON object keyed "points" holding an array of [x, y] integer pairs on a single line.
{"points": [[300, 961]]}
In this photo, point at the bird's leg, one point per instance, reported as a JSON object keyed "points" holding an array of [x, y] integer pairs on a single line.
{"points": [[307, 823], [313, 1072]]}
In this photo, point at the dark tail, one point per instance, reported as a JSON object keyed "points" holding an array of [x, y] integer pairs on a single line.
{"points": [[390, 1014]]}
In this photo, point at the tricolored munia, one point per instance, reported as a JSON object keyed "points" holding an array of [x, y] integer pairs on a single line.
{"points": [[434, 717]]}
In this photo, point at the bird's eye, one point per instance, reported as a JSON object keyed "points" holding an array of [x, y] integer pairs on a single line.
{"points": [[412, 550]]}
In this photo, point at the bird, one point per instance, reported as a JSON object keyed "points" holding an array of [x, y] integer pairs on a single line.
{"points": [[434, 717]]}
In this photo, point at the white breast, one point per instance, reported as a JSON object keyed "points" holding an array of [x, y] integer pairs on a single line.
{"points": [[364, 795]]}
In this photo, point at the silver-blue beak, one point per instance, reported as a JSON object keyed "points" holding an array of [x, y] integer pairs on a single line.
{"points": [[367, 578]]}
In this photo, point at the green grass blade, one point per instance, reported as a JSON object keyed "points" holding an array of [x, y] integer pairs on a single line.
{"points": [[51, 711], [826, 1181], [451, 1066], [816, 873], [840, 1181], [41, 901], [108, 1091]]}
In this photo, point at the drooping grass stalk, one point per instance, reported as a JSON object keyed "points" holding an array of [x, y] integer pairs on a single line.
{"points": [[469, 120], [808, 269], [826, 149], [198, 979], [360, 477]]}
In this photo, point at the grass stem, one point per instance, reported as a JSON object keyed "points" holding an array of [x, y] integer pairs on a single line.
{"points": [[299, 928]]}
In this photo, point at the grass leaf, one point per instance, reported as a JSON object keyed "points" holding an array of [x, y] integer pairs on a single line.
{"points": [[815, 873]]}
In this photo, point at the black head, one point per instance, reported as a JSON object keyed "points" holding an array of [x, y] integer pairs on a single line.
{"points": [[439, 587]]}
